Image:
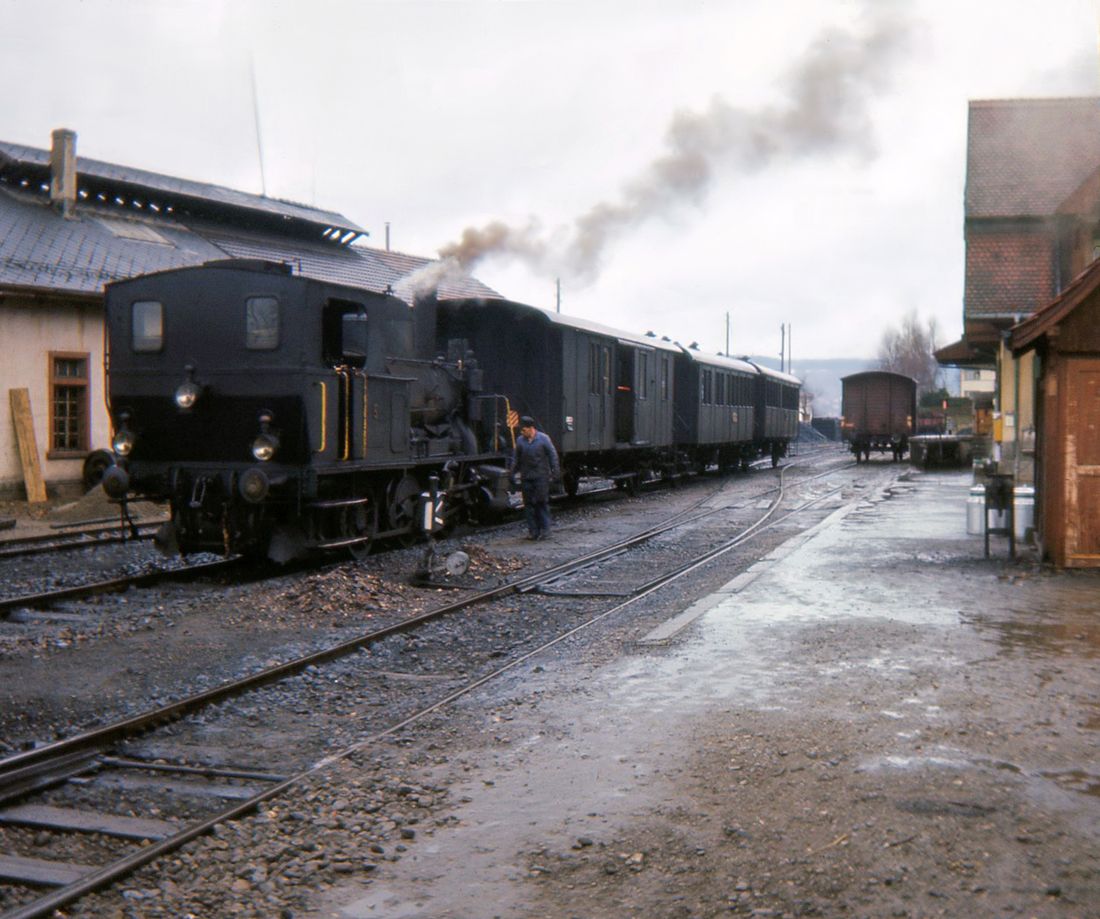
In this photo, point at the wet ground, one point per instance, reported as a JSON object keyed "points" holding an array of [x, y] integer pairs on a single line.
{"points": [[875, 721]]}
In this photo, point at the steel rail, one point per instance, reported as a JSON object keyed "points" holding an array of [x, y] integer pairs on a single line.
{"points": [[97, 587], [43, 543]]}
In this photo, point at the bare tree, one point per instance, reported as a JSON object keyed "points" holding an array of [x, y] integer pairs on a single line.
{"points": [[909, 350]]}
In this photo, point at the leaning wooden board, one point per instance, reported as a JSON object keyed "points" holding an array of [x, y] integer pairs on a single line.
{"points": [[28, 449]]}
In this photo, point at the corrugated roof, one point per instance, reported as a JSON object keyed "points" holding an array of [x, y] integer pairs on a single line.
{"points": [[452, 283], [17, 160], [1026, 156], [39, 248], [104, 242]]}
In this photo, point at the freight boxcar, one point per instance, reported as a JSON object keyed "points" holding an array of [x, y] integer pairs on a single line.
{"points": [[878, 411]]}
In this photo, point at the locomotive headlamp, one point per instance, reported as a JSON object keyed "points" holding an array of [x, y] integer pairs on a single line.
{"points": [[187, 393], [264, 447], [266, 442], [123, 441]]}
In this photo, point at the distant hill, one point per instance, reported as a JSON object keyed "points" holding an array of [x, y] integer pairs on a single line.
{"points": [[821, 376]]}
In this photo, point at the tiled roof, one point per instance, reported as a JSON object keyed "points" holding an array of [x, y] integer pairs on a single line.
{"points": [[1026, 333], [1026, 156], [1009, 269]]}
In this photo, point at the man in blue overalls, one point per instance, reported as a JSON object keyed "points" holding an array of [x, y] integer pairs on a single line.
{"points": [[535, 463]]}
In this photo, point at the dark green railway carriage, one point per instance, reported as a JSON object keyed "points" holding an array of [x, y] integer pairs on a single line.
{"points": [[604, 396]]}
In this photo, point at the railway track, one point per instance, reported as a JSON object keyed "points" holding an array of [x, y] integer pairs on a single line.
{"points": [[145, 579], [93, 536], [68, 769], [65, 537]]}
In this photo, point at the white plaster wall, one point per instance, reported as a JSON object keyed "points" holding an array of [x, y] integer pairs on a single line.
{"points": [[29, 331]]}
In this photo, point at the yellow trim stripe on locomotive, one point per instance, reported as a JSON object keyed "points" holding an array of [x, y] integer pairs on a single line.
{"points": [[345, 380], [366, 411], [324, 415]]}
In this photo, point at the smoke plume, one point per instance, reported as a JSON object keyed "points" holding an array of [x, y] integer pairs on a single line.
{"points": [[825, 111]]}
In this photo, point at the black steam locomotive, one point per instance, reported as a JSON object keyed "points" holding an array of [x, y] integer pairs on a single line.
{"points": [[279, 414]]}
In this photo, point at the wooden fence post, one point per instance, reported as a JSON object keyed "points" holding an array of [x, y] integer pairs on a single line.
{"points": [[28, 450]]}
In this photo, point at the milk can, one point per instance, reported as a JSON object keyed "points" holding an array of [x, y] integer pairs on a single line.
{"points": [[975, 511], [1023, 504]]}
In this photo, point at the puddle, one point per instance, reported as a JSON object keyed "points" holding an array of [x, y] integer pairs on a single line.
{"points": [[913, 763], [1076, 780], [1066, 638]]}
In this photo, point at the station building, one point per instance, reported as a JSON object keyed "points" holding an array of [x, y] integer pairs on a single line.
{"points": [[1031, 227]]}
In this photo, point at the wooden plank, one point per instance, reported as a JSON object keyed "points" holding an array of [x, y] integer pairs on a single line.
{"points": [[40, 872], [176, 787], [64, 818], [28, 448]]}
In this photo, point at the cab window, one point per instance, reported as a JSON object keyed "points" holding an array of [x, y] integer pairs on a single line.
{"points": [[261, 326], [147, 325]]}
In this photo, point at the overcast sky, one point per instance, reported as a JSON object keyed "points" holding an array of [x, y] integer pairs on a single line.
{"points": [[794, 162]]}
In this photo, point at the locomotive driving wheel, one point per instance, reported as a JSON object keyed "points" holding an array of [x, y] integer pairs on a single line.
{"points": [[356, 522], [402, 496]]}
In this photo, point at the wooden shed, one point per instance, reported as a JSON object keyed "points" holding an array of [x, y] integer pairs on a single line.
{"points": [[1065, 335]]}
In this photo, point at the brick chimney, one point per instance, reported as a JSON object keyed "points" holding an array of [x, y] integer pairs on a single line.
{"points": [[63, 171]]}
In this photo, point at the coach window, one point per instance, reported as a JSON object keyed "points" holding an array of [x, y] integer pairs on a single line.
{"points": [[664, 377], [261, 323], [594, 377], [68, 404], [147, 325]]}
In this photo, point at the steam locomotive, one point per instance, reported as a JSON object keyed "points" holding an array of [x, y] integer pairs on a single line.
{"points": [[279, 414]]}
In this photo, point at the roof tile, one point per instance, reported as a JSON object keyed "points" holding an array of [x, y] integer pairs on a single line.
{"points": [[1026, 156]]}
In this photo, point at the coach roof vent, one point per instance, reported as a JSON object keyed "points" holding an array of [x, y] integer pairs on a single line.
{"points": [[63, 171]]}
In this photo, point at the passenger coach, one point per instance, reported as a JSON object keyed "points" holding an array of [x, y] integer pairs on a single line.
{"points": [[715, 409], [604, 396], [775, 422]]}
